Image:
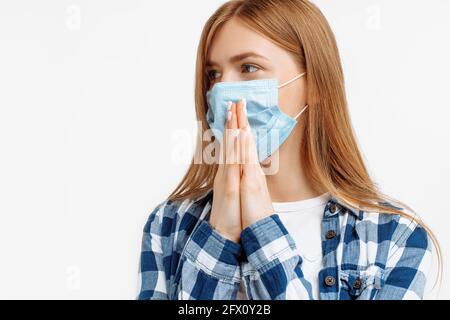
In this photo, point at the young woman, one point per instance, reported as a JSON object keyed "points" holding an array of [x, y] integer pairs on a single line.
{"points": [[282, 206]]}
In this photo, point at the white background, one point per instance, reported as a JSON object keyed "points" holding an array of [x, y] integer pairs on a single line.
{"points": [[97, 120]]}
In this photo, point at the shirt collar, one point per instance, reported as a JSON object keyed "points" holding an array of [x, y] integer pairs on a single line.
{"points": [[342, 207]]}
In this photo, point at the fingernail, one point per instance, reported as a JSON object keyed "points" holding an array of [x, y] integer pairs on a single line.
{"points": [[244, 105]]}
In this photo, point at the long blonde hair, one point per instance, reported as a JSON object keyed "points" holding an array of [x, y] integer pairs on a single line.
{"points": [[329, 149]]}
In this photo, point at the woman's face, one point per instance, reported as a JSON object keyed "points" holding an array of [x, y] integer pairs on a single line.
{"points": [[238, 53]]}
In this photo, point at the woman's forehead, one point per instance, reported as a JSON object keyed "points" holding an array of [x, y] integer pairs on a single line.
{"points": [[235, 38]]}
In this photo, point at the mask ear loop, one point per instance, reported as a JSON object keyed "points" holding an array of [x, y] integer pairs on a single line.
{"points": [[292, 80], [306, 106], [288, 82]]}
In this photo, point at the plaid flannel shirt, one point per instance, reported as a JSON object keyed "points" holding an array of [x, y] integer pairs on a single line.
{"points": [[365, 256]]}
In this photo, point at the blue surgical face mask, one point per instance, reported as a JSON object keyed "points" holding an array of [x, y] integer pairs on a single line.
{"points": [[270, 126]]}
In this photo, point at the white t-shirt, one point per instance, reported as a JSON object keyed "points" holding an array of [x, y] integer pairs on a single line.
{"points": [[303, 220]]}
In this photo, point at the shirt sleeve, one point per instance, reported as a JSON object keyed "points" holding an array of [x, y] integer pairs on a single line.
{"points": [[271, 251], [207, 269], [210, 268], [153, 284], [407, 267]]}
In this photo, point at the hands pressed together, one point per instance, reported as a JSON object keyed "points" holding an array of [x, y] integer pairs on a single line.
{"points": [[240, 190]]}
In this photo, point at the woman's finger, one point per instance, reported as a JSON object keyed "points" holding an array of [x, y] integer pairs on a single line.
{"points": [[242, 114], [248, 150], [223, 145], [243, 127], [235, 135], [232, 135]]}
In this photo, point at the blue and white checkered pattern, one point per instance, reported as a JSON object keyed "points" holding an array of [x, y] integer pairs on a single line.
{"points": [[367, 256]]}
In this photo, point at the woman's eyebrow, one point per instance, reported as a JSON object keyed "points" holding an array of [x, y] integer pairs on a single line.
{"points": [[240, 57]]}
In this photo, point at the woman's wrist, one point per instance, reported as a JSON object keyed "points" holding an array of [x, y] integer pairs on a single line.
{"points": [[223, 233]]}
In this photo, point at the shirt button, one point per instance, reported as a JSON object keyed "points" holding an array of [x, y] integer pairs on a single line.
{"points": [[330, 234], [329, 281], [357, 284], [333, 208]]}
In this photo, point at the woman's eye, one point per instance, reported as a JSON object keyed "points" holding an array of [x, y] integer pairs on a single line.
{"points": [[249, 68], [213, 75]]}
